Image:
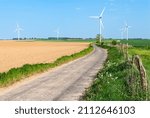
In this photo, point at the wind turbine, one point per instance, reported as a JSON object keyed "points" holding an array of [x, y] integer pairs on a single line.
{"points": [[127, 33], [100, 22], [127, 30], [58, 32], [18, 30]]}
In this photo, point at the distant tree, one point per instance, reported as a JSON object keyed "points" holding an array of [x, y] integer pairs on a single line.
{"points": [[98, 39], [114, 42]]}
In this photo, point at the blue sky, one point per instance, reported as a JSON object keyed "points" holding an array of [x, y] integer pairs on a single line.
{"points": [[41, 18]]}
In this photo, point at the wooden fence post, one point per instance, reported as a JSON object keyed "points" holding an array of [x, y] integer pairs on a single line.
{"points": [[144, 83]]}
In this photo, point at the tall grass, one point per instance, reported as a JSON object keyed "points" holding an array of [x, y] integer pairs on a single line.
{"points": [[112, 82], [144, 53], [17, 74]]}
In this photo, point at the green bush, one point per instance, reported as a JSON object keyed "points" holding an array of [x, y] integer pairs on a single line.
{"points": [[114, 42]]}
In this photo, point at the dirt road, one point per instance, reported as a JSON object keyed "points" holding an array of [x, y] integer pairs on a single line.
{"points": [[67, 82]]}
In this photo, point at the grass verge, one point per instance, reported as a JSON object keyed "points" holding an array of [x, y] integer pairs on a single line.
{"points": [[17, 74], [112, 82], [144, 54]]}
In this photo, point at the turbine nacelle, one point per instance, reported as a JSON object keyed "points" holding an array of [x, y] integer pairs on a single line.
{"points": [[100, 21], [127, 26]]}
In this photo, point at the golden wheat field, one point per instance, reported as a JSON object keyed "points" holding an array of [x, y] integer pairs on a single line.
{"points": [[17, 53]]}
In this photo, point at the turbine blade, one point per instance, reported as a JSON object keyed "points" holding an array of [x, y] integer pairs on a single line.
{"points": [[123, 29], [95, 17], [126, 25], [102, 12]]}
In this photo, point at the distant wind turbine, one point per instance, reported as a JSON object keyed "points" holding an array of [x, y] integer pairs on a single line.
{"points": [[58, 32], [127, 33], [100, 22], [18, 30], [127, 30]]}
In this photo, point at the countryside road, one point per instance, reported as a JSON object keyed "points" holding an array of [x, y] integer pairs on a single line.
{"points": [[65, 83]]}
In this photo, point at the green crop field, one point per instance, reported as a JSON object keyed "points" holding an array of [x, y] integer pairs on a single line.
{"points": [[145, 55], [141, 48], [137, 43]]}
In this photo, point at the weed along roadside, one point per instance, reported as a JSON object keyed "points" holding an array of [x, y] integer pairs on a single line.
{"points": [[17, 74], [119, 80]]}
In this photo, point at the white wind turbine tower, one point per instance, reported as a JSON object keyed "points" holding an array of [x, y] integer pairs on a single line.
{"points": [[58, 32], [127, 30], [100, 22], [18, 30], [127, 33]]}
